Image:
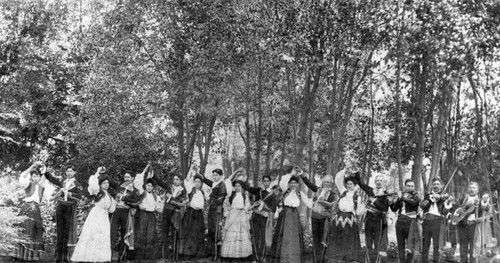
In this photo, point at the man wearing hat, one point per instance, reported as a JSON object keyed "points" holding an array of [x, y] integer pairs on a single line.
{"points": [[323, 199], [215, 211]]}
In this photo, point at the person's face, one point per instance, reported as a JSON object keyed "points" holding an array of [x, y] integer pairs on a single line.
{"points": [[216, 176], [35, 178], [379, 181], [105, 185], [436, 185], [177, 181], [486, 197], [266, 182], [149, 187], [197, 183], [237, 188], [326, 184], [70, 173], [349, 185], [472, 189], [293, 185], [127, 178], [410, 186]]}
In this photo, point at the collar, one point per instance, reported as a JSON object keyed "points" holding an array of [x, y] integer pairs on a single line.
{"points": [[214, 184]]}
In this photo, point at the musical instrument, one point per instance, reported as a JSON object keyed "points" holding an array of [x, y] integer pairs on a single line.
{"points": [[461, 213]]}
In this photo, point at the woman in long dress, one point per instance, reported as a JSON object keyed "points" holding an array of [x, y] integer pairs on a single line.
{"points": [[94, 243], [33, 224], [192, 231], [146, 241], [343, 236], [236, 240], [288, 244]]}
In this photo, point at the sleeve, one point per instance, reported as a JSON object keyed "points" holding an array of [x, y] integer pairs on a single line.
{"points": [[367, 189], [133, 197], [339, 181], [24, 178], [425, 204], [52, 179], [310, 185], [139, 182], [188, 185], [207, 182], [77, 191], [229, 185], [413, 200], [227, 207], [113, 183], [396, 205], [249, 189], [161, 183], [284, 182], [93, 187]]}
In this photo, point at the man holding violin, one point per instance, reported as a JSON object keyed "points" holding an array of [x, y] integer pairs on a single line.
{"points": [[435, 205], [406, 224]]}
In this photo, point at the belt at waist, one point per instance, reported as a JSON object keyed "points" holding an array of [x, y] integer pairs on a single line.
{"points": [[373, 210], [147, 211], [432, 216], [410, 215], [62, 202]]}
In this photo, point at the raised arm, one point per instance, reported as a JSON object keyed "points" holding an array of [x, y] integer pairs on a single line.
{"points": [[339, 180], [161, 183], [248, 188], [24, 177], [53, 179], [308, 183]]}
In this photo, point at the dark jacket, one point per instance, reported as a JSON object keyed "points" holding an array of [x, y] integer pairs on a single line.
{"points": [[218, 193], [130, 195], [174, 202], [426, 204], [270, 199], [411, 203], [381, 203], [75, 191]]}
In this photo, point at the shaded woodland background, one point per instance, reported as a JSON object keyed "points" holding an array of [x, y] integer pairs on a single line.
{"points": [[253, 83]]}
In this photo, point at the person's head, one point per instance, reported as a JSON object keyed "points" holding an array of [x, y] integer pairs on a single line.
{"points": [[70, 172], [128, 176], [437, 185], [217, 174], [350, 183], [177, 180], [409, 185], [293, 183], [148, 186], [327, 181], [237, 186], [473, 188], [276, 191], [35, 176], [104, 183], [486, 197], [379, 181], [197, 182], [266, 181]]}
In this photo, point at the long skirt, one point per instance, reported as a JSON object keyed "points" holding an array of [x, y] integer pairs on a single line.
{"points": [[94, 244], [146, 237], [288, 243], [33, 228], [343, 238], [236, 240], [192, 233]]}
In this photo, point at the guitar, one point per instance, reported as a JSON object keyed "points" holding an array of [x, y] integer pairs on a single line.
{"points": [[461, 213]]}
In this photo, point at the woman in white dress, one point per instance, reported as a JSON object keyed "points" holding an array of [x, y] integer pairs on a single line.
{"points": [[236, 241], [94, 243]]}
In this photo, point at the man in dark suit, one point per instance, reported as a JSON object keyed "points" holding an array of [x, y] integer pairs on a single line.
{"points": [[68, 197], [263, 214], [215, 211]]}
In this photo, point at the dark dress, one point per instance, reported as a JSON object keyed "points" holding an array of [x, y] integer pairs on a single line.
{"points": [[146, 242], [192, 238]]}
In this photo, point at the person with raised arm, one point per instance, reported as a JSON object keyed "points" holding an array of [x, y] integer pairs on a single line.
{"points": [[435, 206], [67, 197], [94, 243], [215, 212], [288, 243], [192, 239], [323, 199], [146, 237], [171, 218], [122, 220], [375, 221], [406, 206], [343, 241], [262, 218], [33, 224]]}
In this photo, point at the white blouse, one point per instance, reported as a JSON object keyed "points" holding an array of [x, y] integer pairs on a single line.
{"points": [[148, 203], [35, 197], [197, 201], [346, 203]]}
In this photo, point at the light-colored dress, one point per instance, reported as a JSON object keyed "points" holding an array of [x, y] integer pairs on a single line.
{"points": [[236, 240], [94, 243]]}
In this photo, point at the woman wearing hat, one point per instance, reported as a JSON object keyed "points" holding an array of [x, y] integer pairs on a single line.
{"points": [[343, 235], [288, 245], [94, 243]]}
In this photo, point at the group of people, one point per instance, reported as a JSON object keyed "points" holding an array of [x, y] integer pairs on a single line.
{"points": [[122, 223]]}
